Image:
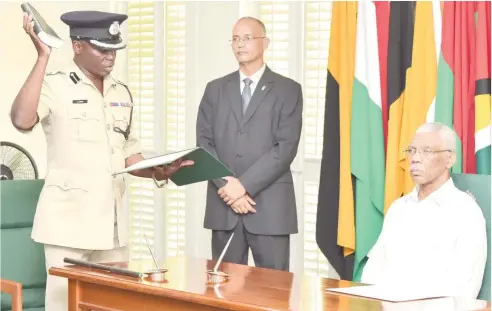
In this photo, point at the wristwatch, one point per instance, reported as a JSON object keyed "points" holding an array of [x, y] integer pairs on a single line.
{"points": [[158, 183]]}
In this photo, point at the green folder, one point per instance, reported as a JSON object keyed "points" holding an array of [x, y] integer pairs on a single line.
{"points": [[205, 167]]}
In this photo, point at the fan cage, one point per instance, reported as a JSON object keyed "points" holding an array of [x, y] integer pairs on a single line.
{"points": [[25, 152]]}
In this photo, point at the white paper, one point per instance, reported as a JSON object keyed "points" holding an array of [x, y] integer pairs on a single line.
{"points": [[157, 161], [447, 304], [387, 293]]}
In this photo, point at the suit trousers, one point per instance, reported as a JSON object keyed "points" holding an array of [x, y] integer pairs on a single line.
{"points": [[269, 251], [57, 287]]}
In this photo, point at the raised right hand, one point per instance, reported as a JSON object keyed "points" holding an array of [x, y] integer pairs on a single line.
{"points": [[43, 49]]}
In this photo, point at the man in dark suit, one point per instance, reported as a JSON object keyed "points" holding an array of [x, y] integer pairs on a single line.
{"points": [[251, 120]]}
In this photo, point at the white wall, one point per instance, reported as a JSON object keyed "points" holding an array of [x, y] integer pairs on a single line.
{"points": [[18, 55]]}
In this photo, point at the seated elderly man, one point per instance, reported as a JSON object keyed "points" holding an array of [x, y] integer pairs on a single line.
{"points": [[434, 238]]}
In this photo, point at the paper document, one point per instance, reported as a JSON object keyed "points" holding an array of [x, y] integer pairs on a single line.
{"points": [[156, 161], [205, 167], [387, 293], [437, 304]]}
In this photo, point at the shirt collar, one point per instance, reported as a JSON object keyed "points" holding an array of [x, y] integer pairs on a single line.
{"points": [[108, 80], [254, 77], [439, 196]]}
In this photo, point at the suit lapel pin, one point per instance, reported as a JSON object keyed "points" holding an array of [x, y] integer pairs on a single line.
{"points": [[263, 88]]}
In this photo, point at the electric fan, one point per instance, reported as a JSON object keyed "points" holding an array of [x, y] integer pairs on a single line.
{"points": [[16, 163]]}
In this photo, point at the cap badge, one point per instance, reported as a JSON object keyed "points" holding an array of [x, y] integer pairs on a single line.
{"points": [[114, 29]]}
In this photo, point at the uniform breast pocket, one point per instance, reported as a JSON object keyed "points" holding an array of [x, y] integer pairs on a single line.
{"points": [[122, 122], [86, 125], [62, 187]]}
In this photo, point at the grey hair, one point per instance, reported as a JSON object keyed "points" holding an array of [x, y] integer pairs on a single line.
{"points": [[447, 134], [263, 28]]}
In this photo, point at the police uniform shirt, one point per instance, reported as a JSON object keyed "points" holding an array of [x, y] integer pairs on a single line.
{"points": [[77, 204]]}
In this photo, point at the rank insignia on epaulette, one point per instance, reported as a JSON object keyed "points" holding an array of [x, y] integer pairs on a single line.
{"points": [[74, 77]]}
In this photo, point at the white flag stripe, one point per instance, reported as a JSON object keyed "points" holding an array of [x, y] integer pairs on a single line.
{"points": [[366, 50], [436, 11], [482, 138]]}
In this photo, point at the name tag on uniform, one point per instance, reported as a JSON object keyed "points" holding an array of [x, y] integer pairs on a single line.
{"points": [[79, 101], [118, 104]]}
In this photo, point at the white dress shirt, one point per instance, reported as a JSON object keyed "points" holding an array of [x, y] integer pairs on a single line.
{"points": [[254, 77], [438, 243]]}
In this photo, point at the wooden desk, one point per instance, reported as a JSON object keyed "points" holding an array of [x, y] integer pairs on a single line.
{"points": [[249, 288]]}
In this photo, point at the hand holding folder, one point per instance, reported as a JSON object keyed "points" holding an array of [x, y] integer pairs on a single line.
{"points": [[205, 167], [162, 173]]}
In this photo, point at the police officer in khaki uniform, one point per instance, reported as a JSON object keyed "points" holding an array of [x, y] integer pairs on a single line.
{"points": [[87, 116]]}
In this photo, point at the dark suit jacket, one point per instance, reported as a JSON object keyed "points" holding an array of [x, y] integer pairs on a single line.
{"points": [[258, 147]]}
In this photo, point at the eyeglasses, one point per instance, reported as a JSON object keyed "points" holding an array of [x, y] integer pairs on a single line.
{"points": [[125, 133], [245, 39], [425, 153]]}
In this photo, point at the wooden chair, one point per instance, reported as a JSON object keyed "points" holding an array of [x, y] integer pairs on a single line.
{"points": [[15, 290], [23, 268]]}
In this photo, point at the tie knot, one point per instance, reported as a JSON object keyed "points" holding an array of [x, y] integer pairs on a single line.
{"points": [[247, 81]]}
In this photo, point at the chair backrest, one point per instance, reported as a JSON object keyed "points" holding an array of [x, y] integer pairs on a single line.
{"points": [[22, 259], [479, 186]]}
